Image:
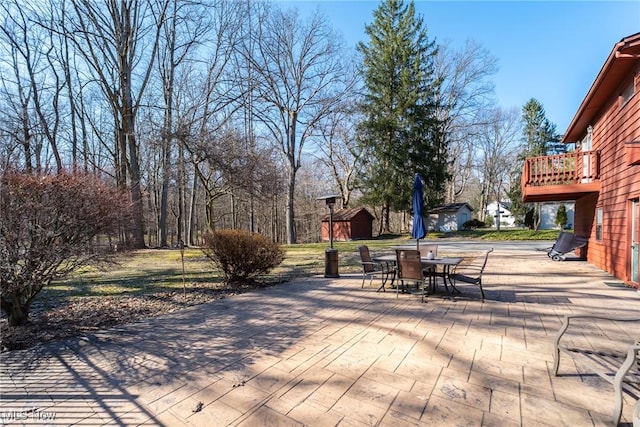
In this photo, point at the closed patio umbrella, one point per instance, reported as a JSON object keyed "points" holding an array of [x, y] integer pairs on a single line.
{"points": [[418, 231]]}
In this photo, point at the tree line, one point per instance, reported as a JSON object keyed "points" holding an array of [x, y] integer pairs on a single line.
{"points": [[238, 114]]}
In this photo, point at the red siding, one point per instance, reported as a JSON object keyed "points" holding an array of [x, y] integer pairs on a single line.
{"points": [[614, 126], [359, 226]]}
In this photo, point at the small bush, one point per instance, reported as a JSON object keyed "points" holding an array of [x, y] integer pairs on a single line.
{"points": [[473, 224], [242, 256]]}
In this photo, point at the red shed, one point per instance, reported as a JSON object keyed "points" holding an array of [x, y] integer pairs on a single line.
{"points": [[349, 224]]}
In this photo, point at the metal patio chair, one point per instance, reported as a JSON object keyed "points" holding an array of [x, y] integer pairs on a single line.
{"points": [[409, 269], [471, 273], [371, 269]]}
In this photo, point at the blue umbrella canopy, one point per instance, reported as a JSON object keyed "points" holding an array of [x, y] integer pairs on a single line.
{"points": [[418, 231]]}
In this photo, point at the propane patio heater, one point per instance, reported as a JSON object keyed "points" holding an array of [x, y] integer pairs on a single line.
{"points": [[331, 254]]}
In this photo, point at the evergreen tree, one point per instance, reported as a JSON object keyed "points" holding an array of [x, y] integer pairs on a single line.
{"points": [[400, 134], [539, 138], [539, 133], [561, 216]]}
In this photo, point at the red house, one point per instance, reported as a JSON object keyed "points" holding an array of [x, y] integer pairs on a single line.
{"points": [[349, 224], [602, 175]]}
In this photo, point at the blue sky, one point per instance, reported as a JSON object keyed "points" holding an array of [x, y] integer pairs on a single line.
{"points": [[548, 50]]}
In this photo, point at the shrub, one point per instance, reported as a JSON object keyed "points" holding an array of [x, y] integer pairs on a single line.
{"points": [[472, 224], [242, 256], [49, 225]]}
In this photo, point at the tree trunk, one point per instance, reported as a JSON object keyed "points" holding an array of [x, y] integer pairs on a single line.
{"points": [[136, 196], [483, 203], [234, 213], [192, 210], [209, 211], [164, 192], [121, 156], [17, 315], [128, 125], [290, 216], [181, 192], [386, 221], [275, 220]]}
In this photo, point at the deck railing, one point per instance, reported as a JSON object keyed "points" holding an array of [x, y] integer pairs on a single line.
{"points": [[561, 169]]}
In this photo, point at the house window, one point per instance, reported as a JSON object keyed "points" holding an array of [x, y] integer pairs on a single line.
{"points": [[598, 224], [586, 142], [627, 94]]}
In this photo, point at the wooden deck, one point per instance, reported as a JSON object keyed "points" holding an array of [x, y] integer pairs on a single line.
{"points": [[561, 176]]}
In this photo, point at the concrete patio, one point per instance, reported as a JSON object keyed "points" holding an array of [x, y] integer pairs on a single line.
{"points": [[324, 352]]}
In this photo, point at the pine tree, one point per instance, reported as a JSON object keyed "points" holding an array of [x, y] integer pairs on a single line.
{"points": [[538, 138], [400, 134], [539, 133]]}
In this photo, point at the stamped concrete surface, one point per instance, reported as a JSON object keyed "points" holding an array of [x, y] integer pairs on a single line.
{"points": [[324, 352]]}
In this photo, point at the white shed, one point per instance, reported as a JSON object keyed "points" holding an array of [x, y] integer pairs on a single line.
{"points": [[449, 217]]}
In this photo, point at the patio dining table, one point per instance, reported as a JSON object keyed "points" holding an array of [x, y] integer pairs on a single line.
{"points": [[447, 264]]}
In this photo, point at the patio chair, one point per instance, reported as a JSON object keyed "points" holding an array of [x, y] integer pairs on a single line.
{"points": [[371, 269], [409, 269], [424, 253], [425, 249], [607, 360], [471, 273]]}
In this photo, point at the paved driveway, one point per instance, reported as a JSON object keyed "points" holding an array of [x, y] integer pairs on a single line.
{"points": [[324, 352]]}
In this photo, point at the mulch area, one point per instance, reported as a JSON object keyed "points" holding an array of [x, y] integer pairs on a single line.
{"points": [[55, 320]]}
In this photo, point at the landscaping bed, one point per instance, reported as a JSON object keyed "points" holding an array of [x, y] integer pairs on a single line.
{"points": [[55, 319]]}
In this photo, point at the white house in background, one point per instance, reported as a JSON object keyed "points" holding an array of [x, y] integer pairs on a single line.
{"points": [[448, 217], [548, 213], [506, 218]]}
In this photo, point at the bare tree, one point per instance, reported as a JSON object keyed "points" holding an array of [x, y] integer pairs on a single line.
{"points": [[182, 32], [298, 78], [496, 147], [340, 153], [464, 96], [18, 122], [30, 48], [119, 40], [205, 99], [48, 97]]}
